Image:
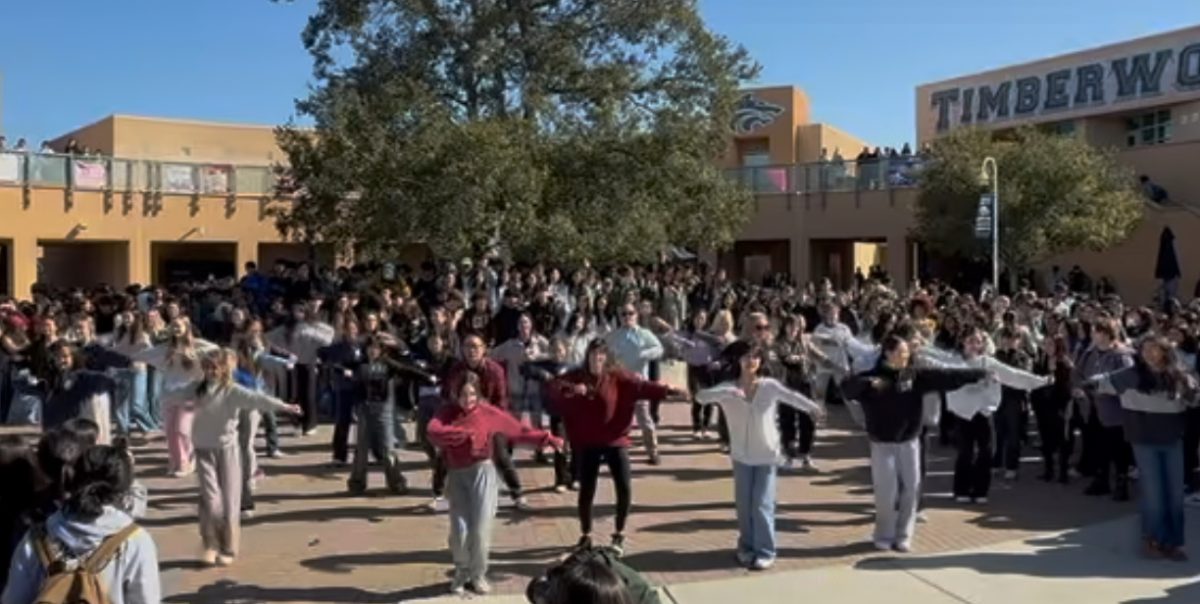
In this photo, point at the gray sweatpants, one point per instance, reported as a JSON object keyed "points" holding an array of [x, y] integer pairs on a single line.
{"points": [[472, 495], [219, 472], [896, 478]]}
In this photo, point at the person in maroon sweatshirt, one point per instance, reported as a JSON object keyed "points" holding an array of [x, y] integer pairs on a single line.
{"points": [[464, 430], [493, 388], [597, 404]]}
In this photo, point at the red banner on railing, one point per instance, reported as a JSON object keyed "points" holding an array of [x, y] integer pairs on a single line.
{"points": [[89, 174], [215, 179]]}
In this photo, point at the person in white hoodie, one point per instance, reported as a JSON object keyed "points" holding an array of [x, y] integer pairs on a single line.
{"points": [[750, 404], [974, 404], [91, 518]]}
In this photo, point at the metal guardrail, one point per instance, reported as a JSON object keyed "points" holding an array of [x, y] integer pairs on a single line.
{"points": [[111, 174], [874, 175]]}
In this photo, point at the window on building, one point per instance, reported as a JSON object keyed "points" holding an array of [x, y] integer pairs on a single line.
{"points": [[1152, 128], [1063, 128]]}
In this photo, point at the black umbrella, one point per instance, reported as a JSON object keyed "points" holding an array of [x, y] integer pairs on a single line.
{"points": [[1167, 266]]}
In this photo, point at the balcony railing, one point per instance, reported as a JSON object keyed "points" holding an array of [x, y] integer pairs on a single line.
{"points": [[883, 173], [96, 173]]}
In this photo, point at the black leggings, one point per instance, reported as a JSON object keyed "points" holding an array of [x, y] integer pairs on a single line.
{"points": [[590, 459]]}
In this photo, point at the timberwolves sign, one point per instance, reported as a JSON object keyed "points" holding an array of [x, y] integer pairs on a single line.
{"points": [[1155, 68]]}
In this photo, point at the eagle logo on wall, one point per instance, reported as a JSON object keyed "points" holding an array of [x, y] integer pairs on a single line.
{"points": [[753, 113]]}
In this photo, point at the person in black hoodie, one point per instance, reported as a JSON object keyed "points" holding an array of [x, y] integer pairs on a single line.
{"points": [[435, 358], [375, 410], [891, 398], [1014, 405], [345, 355], [75, 392], [1051, 407], [504, 325]]}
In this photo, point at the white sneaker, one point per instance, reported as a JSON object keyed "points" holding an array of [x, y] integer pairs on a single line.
{"points": [[458, 585], [521, 503], [922, 518], [981, 500], [883, 546], [438, 505], [903, 547], [762, 564], [962, 499], [1010, 475], [481, 586], [560, 488], [807, 465]]}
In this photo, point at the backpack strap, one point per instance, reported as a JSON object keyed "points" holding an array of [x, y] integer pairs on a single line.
{"points": [[40, 539], [108, 549]]}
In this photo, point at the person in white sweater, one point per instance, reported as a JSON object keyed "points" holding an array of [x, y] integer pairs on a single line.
{"points": [[301, 337], [974, 405], [218, 402], [750, 404]]}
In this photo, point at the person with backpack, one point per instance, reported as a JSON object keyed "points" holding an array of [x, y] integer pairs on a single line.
{"points": [[90, 551], [591, 576]]}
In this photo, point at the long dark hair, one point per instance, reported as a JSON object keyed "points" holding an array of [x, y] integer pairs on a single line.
{"points": [[102, 476]]}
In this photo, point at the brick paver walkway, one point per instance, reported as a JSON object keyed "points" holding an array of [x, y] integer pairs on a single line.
{"points": [[312, 543]]}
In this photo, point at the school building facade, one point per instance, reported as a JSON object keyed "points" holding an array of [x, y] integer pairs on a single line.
{"points": [[819, 217]]}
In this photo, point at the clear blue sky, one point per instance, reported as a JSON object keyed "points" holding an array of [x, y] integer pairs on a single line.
{"points": [[67, 63]]}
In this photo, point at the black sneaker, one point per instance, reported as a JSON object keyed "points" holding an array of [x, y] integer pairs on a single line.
{"points": [[585, 543]]}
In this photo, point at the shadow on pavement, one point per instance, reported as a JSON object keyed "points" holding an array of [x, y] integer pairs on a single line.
{"points": [[233, 593], [1106, 552]]}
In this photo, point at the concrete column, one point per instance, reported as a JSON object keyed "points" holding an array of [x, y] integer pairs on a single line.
{"points": [[898, 253], [800, 258], [247, 251], [24, 266]]}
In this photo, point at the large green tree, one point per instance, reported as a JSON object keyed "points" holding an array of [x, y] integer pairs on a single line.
{"points": [[562, 129], [1057, 193]]}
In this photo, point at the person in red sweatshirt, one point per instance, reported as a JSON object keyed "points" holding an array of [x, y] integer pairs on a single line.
{"points": [[597, 404], [464, 431], [493, 388]]}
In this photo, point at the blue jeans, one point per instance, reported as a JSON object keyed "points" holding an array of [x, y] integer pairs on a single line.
{"points": [[132, 403], [754, 497], [1160, 477]]}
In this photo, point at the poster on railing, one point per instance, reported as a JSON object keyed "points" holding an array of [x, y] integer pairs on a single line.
{"points": [[215, 179], [10, 167], [89, 174], [178, 179], [905, 171]]}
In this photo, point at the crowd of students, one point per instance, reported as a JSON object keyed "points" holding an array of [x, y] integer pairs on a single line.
{"points": [[483, 353]]}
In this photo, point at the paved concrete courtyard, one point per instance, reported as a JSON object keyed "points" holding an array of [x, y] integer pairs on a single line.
{"points": [[310, 542]]}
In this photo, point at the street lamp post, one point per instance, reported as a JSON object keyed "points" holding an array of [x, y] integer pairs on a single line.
{"points": [[992, 178]]}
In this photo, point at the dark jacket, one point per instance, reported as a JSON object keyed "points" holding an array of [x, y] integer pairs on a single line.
{"points": [[894, 411]]}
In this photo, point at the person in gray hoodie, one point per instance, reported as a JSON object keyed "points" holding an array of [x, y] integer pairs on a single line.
{"points": [[1154, 394], [101, 479], [1106, 355]]}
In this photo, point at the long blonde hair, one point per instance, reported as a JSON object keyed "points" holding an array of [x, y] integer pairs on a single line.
{"points": [[224, 362], [182, 348], [722, 323]]}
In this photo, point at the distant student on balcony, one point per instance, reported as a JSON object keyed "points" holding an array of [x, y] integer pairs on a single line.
{"points": [[1153, 191]]}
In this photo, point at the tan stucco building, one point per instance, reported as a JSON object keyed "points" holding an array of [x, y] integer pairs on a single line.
{"points": [[165, 199], [817, 214]]}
